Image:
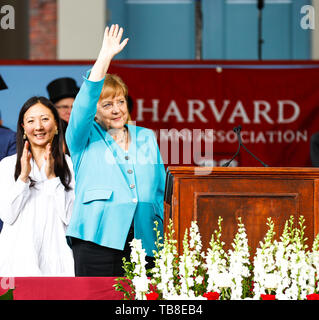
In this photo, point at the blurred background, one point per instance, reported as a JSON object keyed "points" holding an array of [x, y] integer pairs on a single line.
{"points": [[160, 29]]}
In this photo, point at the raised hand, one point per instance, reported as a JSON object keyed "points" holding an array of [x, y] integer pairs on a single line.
{"points": [[25, 162], [49, 162], [111, 46]]}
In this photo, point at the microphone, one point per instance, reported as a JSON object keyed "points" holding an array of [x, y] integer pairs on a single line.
{"points": [[237, 131], [260, 4], [240, 144]]}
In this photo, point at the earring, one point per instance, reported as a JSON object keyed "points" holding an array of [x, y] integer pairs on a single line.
{"points": [[56, 132], [24, 136]]}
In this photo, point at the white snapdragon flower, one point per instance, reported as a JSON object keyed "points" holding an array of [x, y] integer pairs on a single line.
{"points": [[199, 279], [190, 262], [140, 280], [191, 296], [282, 266], [140, 284], [165, 269], [223, 280], [239, 261], [271, 280], [266, 277]]}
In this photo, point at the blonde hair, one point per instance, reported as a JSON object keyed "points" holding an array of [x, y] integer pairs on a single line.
{"points": [[114, 86]]}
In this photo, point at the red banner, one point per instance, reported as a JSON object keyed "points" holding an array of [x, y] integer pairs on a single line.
{"points": [[277, 106]]}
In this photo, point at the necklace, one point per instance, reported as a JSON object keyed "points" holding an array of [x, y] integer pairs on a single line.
{"points": [[123, 139], [118, 138]]}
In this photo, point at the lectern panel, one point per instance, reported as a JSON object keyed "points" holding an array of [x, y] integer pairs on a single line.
{"points": [[253, 208]]}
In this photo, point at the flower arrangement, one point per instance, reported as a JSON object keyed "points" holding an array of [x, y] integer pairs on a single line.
{"points": [[283, 270]]}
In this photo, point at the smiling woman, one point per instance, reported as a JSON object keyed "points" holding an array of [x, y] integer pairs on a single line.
{"points": [[112, 109], [39, 136], [36, 196], [119, 169], [39, 125]]}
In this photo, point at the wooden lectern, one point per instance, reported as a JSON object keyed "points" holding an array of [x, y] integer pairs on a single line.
{"points": [[203, 194]]}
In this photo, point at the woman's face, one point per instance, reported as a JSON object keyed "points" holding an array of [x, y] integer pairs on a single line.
{"points": [[112, 112], [39, 125]]}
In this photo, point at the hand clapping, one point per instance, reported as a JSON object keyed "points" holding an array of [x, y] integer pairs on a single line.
{"points": [[25, 162], [49, 162]]}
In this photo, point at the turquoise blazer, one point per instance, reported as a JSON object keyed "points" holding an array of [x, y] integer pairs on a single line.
{"points": [[112, 187]]}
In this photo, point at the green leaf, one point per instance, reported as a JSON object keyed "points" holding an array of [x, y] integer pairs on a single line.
{"points": [[8, 295]]}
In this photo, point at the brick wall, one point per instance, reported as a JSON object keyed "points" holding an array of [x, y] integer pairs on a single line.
{"points": [[43, 29]]}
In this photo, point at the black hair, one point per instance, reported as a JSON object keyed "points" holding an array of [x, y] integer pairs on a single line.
{"points": [[61, 168]]}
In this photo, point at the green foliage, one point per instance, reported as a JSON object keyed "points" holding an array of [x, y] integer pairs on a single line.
{"points": [[127, 279], [8, 295]]}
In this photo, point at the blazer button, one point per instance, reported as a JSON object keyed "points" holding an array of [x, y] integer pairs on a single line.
{"points": [[132, 186], [134, 200], [127, 157], [129, 171]]}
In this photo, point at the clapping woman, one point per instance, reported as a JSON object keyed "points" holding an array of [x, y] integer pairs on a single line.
{"points": [[36, 197]]}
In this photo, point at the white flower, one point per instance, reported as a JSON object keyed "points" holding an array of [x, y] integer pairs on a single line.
{"points": [[185, 297], [140, 280], [239, 262], [141, 287], [140, 284], [271, 281], [199, 279], [284, 266], [223, 280]]}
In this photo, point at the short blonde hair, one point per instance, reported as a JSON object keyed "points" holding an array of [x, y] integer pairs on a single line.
{"points": [[113, 86]]}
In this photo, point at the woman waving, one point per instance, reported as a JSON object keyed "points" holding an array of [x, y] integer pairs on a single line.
{"points": [[120, 176]]}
